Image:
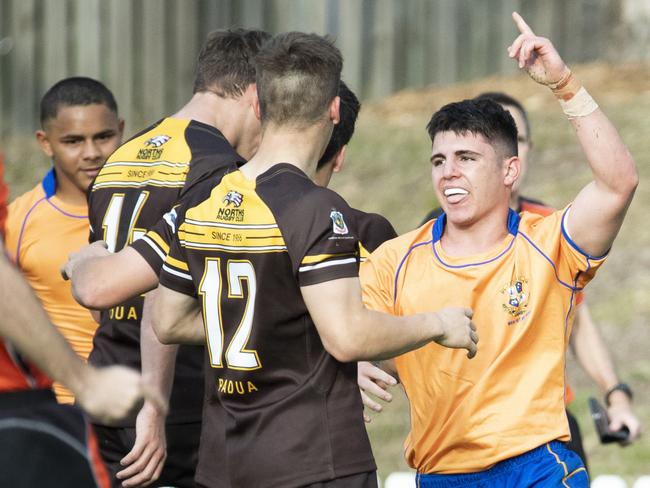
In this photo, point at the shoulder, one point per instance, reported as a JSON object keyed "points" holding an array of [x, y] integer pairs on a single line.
{"points": [[393, 251], [373, 229], [286, 189], [25, 203]]}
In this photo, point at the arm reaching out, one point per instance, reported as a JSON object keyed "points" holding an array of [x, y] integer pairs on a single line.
{"points": [[598, 210], [107, 394], [594, 357], [101, 279], [351, 332]]}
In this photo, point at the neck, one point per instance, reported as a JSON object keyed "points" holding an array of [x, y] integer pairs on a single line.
{"points": [[211, 109], [281, 144], [70, 194], [477, 237], [514, 201]]}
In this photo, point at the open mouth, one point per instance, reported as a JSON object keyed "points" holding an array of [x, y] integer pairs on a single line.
{"points": [[455, 195]]}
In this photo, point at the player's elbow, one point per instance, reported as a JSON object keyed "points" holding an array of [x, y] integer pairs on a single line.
{"points": [[344, 353], [91, 297]]}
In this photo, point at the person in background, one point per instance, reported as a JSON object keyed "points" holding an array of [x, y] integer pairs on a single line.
{"points": [[80, 128]]}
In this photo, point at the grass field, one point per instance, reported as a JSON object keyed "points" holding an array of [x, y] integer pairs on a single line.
{"points": [[388, 172]]}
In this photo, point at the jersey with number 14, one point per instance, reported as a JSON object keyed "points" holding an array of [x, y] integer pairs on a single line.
{"points": [[293, 413], [139, 183]]}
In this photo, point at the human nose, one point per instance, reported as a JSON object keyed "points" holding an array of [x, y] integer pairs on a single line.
{"points": [[91, 150], [449, 169]]}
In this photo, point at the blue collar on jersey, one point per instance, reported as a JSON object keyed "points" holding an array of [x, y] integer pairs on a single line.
{"points": [[439, 225], [49, 183]]}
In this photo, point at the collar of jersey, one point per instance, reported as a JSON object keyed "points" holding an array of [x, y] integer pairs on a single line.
{"points": [[441, 221], [49, 183], [490, 256]]}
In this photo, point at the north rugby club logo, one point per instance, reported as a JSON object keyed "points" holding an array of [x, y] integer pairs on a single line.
{"points": [[517, 295], [233, 197], [338, 224], [157, 141]]}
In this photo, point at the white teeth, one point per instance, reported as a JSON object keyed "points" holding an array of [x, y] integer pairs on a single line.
{"points": [[455, 191]]}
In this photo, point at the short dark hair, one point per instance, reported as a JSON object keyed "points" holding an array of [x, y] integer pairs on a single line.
{"points": [[505, 99], [226, 63], [298, 75], [343, 131], [77, 90], [485, 117]]}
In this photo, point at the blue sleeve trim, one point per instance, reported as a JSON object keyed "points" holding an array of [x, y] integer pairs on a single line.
{"points": [[575, 246]]}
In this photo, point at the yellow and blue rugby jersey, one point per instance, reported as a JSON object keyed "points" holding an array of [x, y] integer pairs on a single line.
{"points": [[139, 183], [467, 415], [42, 231], [294, 414]]}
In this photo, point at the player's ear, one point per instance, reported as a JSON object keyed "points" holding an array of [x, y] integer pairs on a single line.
{"points": [[339, 160], [256, 101], [44, 143], [334, 110], [511, 170]]}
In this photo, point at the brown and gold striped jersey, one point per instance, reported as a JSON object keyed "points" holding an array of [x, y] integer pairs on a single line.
{"points": [[244, 248], [141, 181]]}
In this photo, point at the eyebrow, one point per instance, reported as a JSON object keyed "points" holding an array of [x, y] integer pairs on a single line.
{"points": [[106, 132], [461, 152]]}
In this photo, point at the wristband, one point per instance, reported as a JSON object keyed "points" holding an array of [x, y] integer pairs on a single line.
{"points": [[574, 99], [624, 387], [580, 105]]}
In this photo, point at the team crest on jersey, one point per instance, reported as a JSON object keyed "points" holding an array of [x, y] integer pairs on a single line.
{"points": [[516, 293], [338, 224], [157, 141], [233, 197]]}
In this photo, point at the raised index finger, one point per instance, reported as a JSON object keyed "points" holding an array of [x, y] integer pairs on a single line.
{"points": [[521, 24]]}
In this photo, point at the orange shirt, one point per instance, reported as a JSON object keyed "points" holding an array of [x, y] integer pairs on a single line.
{"points": [[467, 415], [41, 232]]}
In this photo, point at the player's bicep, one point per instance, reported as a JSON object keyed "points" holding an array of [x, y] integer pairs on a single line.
{"points": [[594, 219], [334, 306], [177, 318]]}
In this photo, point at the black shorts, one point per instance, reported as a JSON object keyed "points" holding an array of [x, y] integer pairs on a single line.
{"points": [[43, 443], [182, 452]]}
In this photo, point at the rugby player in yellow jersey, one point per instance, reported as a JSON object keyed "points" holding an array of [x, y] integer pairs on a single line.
{"points": [[142, 181], [80, 128], [500, 420]]}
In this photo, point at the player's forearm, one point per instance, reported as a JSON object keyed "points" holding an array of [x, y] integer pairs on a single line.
{"points": [[158, 360], [103, 282], [374, 336], [592, 352], [612, 165]]}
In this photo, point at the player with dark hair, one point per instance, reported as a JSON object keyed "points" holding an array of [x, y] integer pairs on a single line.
{"points": [[586, 340], [141, 181], [273, 259], [500, 420], [80, 128]]}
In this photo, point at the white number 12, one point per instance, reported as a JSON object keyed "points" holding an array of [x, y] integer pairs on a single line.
{"points": [[237, 357]]}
